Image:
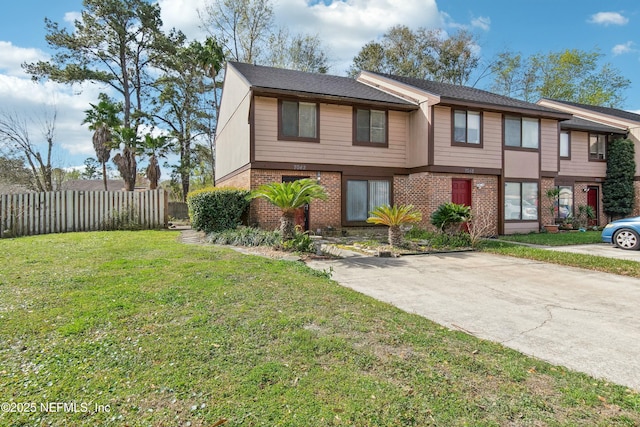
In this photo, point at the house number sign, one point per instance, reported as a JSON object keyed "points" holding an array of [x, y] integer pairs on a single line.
{"points": [[299, 167]]}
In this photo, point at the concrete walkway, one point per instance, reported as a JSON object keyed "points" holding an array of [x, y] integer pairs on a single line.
{"points": [[584, 320]]}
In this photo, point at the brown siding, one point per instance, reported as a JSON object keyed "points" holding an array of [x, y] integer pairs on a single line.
{"points": [[336, 145], [579, 165], [521, 164], [487, 156], [418, 143], [549, 145]]}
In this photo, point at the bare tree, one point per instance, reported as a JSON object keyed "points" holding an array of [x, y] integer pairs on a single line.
{"points": [[15, 138], [242, 26]]}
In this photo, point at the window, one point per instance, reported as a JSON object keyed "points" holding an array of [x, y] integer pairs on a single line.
{"points": [[466, 127], [521, 132], [370, 127], [565, 202], [298, 121], [362, 196], [521, 201], [597, 147], [565, 147]]}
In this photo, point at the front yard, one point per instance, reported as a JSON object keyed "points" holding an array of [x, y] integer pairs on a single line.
{"points": [[134, 328]]}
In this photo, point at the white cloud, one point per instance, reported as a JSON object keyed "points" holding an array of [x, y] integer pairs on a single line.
{"points": [[35, 103], [346, 26], [620, 49], [183, 15], [608, 18], [72, 17], [482, 22], [12, 57]]}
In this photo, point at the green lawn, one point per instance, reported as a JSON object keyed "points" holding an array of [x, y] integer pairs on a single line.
{"points": [[158, 333], [556, 239]]}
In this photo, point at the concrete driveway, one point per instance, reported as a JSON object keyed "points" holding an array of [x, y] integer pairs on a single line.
{"points": [[584, 320]]}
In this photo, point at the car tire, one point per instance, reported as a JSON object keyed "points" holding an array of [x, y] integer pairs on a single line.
{"points": [[626, 239]]}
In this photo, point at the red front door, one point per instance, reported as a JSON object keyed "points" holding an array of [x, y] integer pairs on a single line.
{"points": [[461, 194], [461, 191], [592, 200]]}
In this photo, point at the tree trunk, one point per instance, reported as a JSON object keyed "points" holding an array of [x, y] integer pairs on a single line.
{"points": [[126, 163], [104, 175], [395, 235], [288, 225]]}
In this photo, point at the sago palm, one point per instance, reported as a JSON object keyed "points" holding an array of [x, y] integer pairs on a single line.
{"points": [[394, 217], [289, 196]]}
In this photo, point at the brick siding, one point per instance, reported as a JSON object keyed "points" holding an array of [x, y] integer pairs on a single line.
{"points": [[426, 191], [322, 213]]}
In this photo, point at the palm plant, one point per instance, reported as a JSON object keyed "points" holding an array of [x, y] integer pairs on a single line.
{"points": [[155, 147], [394, 217], [103, 119], [289, 196]]}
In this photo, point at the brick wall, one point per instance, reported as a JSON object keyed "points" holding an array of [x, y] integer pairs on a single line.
{"points": [[636, 206], [426, 191], [241, 180], [322, 213], [545, 204]]}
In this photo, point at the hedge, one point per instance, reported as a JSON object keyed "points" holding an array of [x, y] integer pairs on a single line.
{"points": [[217, 209]]}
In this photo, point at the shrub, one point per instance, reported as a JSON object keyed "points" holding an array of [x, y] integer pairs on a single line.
{"points": [[301, 242], [217, 209], [245, 236], [449, 216], [443, 240], [618, 194]]}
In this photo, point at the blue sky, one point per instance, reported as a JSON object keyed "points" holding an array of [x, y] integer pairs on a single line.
{"points": [[344, 26]]}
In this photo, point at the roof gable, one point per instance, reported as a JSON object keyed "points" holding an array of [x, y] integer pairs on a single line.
{"points": [[613, 112], [300, 83], [465, 95]]}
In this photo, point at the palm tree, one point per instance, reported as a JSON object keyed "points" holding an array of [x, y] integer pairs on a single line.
{"points": [[394, 217], [289, 196], [102, 119], [154, 147]]}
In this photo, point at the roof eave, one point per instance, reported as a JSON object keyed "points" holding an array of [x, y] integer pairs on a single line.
{"points": [[505, 108], [262, 91]]}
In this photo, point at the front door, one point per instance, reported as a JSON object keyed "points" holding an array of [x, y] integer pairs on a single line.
{"points": [[461, 191], [461, 194], [592, 200], [301, 216]]}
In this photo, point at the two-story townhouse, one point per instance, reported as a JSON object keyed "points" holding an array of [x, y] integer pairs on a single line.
{"points": [[583, 151], [386, 139]]}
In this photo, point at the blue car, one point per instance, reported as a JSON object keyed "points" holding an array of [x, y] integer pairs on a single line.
{"points": [[623, 233]]}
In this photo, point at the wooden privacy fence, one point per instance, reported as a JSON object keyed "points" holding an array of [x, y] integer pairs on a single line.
{"points": [[65, 211]]}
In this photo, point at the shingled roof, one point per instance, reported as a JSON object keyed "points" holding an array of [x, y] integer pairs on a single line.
{"points": [[315, 85], [577, 123], [465, 95], [614, 112]]}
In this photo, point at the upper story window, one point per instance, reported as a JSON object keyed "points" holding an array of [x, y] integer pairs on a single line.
{"points": [[298, 121], [565, 147], [370, 127], [466, 127], [521, 132], [597, 147]]}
